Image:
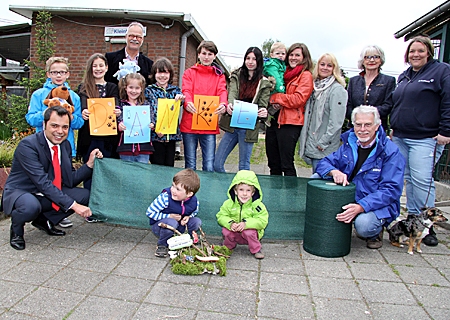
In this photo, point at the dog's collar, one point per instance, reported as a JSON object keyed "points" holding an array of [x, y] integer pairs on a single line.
{"points": [[425, 225], [397, 220]]}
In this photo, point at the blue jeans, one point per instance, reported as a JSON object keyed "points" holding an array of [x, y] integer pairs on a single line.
{"points": [[314, 163], [208, 146], [227, 144], [164, 234], [143, 158], [419, 155], [368, 225]]}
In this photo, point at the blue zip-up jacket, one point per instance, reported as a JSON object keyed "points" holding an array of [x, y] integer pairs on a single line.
{"points": [[421, 102], [164, 205], [379, 182], [35, 114]]}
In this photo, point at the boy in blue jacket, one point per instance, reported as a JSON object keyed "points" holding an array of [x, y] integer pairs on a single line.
{"points": [[57, 69], [176, 206]]}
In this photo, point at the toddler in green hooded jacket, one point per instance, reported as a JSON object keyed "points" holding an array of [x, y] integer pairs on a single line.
{"points": [[243, 216], [274, 68]]}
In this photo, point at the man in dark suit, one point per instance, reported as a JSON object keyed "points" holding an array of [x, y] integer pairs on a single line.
{"points": [[135, 38], [41, 187]]}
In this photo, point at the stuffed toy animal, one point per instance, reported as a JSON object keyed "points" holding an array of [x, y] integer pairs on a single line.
{"points": [[126, 68], [60, 96]]}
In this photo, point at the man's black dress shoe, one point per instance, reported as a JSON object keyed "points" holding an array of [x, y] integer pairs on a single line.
{"points": [[16, 241], [47, 226]]}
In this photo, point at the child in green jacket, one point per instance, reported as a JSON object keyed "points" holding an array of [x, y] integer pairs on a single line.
{"points": [[243, 216], [274, 68]]}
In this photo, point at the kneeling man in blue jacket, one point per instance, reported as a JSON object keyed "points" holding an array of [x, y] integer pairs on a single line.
{"points": [[370, 160]]}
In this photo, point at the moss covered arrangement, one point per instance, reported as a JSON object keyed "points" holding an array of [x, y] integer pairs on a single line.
{"points": [[185, 262]]}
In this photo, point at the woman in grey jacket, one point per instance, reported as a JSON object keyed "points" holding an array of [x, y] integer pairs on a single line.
{"points": [[324, 112], [249, 85]]}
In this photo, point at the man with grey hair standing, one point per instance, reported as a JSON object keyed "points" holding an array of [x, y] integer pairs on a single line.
{"points": [[375, 165], [135, 39]]}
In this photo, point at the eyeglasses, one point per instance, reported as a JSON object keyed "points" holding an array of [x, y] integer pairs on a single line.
{"points": [[132, 36], [55, 73], [363, 125], [372, 57]]}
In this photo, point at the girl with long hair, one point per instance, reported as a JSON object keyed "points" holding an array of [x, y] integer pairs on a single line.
{"points": [[249, 85], [95, 86], [131, 91]]}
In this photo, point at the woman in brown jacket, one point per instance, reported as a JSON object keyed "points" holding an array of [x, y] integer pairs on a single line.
{"points": [[283, 134]]}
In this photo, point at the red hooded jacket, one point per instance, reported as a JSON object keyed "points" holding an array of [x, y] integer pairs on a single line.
{"points": [[202, 80]]}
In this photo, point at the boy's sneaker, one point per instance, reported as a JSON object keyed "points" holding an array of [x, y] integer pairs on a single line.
{"points": [[65, 223], [91, 219], [259, 255], [161, 251]]}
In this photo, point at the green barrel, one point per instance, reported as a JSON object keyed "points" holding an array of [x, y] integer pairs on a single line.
{"points": [[324, 235]]}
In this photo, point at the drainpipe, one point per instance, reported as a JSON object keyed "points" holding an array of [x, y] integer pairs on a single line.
{"points": [[183, 53]]}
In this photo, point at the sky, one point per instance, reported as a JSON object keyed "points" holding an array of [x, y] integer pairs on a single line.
{"points": [[343, 27]]}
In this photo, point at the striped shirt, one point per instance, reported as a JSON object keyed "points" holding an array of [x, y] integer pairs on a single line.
{"points": [[154, 211]]}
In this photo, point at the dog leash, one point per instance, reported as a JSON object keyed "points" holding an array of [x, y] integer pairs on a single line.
{"points": [[432, 170], [425, 226]]}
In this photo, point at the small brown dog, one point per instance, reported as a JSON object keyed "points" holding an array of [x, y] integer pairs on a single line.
{"points": [[416, 227]]}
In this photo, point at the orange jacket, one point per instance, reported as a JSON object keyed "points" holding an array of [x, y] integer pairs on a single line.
{"points": [[294, 100]]}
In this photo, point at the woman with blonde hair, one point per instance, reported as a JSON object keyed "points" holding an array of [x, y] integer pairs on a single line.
{"points": [[324, 112]]}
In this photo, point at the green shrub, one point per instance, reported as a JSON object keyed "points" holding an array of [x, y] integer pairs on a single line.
{"points": [[5, 132], [7, 148], [13, 108]]}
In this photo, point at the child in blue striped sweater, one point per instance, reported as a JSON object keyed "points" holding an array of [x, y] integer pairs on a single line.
{"points": [[176, 206]]}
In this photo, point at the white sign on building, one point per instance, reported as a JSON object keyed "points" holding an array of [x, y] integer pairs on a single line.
{"points": [[118, 31]]}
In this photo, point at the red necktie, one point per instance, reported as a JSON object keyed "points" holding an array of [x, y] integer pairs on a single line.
{"points": [[57, 170]]}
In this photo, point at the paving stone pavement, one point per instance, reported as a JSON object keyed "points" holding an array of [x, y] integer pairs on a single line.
{"points": [[101, 271]]}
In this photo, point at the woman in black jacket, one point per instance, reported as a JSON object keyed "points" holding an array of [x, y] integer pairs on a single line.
{"points": [[371, 87]]}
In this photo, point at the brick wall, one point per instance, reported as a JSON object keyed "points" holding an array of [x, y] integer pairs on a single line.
{"points": [[77, 38]]}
